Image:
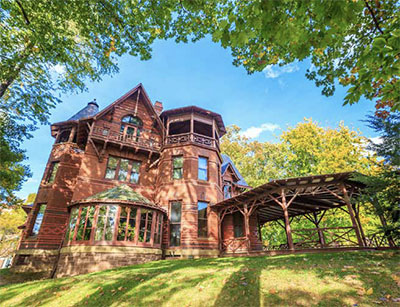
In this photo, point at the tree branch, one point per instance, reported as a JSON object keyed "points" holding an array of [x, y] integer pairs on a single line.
{"points": [[373, 16], [23, 12]]}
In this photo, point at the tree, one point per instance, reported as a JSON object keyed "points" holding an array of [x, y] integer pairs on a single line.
{"points": [[355, 43], [383, 187], [12, 170], [50, 47], [258, 162], [10, 219], [303, 150]]}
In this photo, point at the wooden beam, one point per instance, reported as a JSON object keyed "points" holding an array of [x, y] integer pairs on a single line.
{"points": [[287, 222], [351, 213]]}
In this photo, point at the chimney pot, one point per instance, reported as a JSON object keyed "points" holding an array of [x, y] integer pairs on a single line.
{"points": [[158, 106]]}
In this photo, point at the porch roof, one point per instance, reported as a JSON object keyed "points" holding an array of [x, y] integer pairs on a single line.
{"points": [[310, 194]]}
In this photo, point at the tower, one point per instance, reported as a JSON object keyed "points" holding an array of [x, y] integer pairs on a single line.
{"points": [[189, 181]]}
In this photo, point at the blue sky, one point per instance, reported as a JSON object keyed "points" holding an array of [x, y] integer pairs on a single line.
{"points": [[202, 74]]}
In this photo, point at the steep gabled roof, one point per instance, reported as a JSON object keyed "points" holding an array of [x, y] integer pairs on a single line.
{"points": [[226, 163], [146, 99]]}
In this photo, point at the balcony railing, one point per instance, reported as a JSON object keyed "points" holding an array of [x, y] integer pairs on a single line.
{"points": [[127, 139], [185, 138]]}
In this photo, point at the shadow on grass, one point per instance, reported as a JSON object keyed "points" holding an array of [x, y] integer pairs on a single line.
{"points": [[236, 281]]}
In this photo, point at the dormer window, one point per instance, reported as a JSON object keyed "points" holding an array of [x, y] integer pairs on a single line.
{"points": [[131, 126], [227, 190]]}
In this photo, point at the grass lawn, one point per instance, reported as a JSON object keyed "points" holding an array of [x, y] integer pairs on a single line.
{"points": [[330, 279]]}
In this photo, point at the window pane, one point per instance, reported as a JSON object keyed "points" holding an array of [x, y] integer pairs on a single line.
{"points": [[177, 167], [142, 228], [132, 225], [178, 162], [238, 224], [176, 212], [111, 168], [202, 219], [203, 162], [72, 222], [89, 223], [38, 220], [202, 209], [202, 228], [135, 172], [53, 172], [177, 173], [227, 191], [149, 222], [82, 219], [202, 169], [123, 169], [100, 223], [175, 231], [202, 174], [157, 230], [123, 217], [110, 226]]}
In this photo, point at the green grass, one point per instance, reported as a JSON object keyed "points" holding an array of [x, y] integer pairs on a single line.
{"points": [[329, 279]]}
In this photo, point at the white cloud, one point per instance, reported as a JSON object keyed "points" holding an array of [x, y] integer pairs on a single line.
{"points": [[60, 69], [376, 140], [254, 132], [274, 71]]}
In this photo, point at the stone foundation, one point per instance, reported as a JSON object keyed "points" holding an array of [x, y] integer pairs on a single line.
{"points": [[76, 260], [34, 261]]}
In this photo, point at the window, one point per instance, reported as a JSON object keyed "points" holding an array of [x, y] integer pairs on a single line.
{"points": [[202, 231], [72, 222], [115, 224], [238, 224], [111, 168], [135, 172], [175, 226], [122, 169], [146, 218], [157, 234], [85, 225], [127, 224], [130, 126], [227, 190], [52, 172], [177, 167], [38, 220], [203, 168], [105, 223]]}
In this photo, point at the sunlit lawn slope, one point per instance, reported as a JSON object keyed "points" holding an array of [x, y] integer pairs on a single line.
{"points": [[334, 279]]}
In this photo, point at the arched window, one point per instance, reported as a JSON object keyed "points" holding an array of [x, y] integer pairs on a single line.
{"points": [[131, 126]]}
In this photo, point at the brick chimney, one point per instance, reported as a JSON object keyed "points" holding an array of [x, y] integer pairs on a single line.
{"points": [[158, 107]]}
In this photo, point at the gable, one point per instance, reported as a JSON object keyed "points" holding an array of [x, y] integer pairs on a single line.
{"points": [[136, 103]]}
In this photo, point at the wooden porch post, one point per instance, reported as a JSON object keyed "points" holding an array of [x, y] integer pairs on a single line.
{"points": [[219, 231], [72, 134], [351, 213], [357, 215], [247, 226], [320, 233], [287, 222]]}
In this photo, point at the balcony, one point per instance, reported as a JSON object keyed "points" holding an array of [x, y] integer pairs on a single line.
{"points": [[140, 142], [192, 138]]}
